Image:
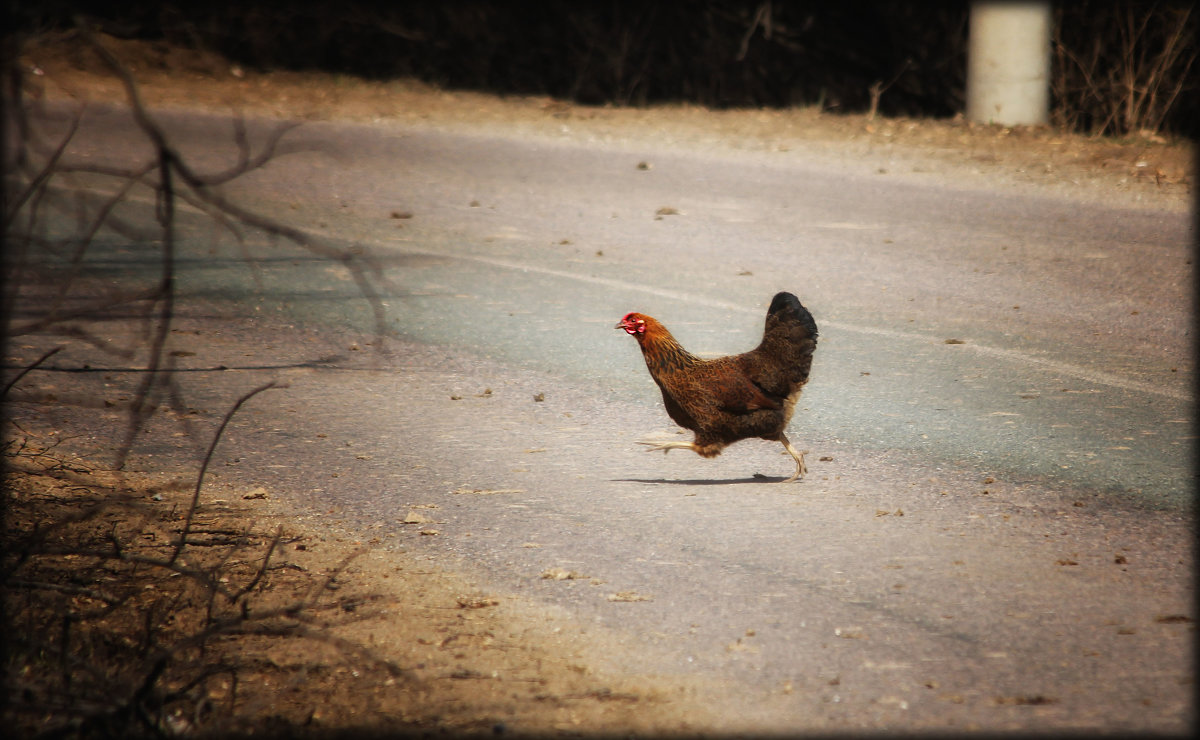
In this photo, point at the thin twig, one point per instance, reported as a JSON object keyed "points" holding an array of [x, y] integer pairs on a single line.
{"points": [[266, 561], [90, 593], [877, 89], [30, 368], [191, 511], [139, 410], [46, 172]]}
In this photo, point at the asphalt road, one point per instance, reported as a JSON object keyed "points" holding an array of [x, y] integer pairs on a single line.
{"points": [[995, 531]]}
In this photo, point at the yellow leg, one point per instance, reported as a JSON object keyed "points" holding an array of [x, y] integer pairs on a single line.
{"points": [[801, 469]]}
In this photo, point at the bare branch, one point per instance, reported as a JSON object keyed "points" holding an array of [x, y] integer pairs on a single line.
{"points": [[266, 561], [29, 368], [245, 162], [191, 511], [90, 593], [46, 172], [45, 323]]}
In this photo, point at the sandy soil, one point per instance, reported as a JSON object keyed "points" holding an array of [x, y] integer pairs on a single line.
{"points": [[433, 652]]}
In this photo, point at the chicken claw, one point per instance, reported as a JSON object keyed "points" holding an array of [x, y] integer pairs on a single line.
{"points": [[668, 446]]}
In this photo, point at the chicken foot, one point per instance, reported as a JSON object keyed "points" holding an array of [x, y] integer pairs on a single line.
{"points": [[701, 450], [801, 468]]}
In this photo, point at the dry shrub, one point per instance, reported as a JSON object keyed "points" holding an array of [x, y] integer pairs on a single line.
{"points": [[134, 617], [126, 618], [1126, 67]]}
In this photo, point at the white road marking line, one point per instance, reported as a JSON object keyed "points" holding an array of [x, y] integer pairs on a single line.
{"points": [[1064, 368]]}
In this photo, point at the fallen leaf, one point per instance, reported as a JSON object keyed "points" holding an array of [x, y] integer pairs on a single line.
{"points": [[628, 596], [489, 491], [561, 574], [1174, 619], [1029, 700], [476, 602]]}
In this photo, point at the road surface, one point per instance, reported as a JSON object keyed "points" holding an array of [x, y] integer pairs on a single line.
{"points": [[996, 527]]}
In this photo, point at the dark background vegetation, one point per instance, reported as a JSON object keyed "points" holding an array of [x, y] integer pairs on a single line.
{"points": [[1120, 66]]}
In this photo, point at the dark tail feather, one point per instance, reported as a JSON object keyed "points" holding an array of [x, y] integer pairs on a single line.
{"points": [[787, 310]]}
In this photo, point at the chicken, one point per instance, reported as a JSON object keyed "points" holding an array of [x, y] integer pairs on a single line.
{"points": [[736, 397]]}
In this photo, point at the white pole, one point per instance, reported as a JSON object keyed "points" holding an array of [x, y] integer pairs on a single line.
{"points": [[1008, 62]]}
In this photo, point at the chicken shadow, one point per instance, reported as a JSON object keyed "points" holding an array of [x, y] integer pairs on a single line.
{"points": [[705, 481]]}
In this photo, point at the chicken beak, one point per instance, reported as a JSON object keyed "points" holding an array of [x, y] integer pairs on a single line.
{"points": [[620, 324]]}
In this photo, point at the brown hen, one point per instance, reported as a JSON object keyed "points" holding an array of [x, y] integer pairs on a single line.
{"points": [[737, 397]]}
